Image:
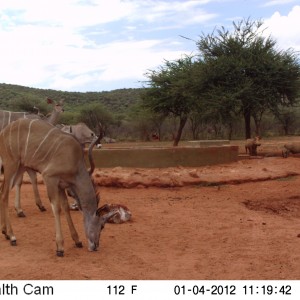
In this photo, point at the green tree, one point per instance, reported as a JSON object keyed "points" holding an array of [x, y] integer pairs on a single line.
{"points": [[170, 92], [245, 74], [94, 115], [287, 118], [32, 104]]}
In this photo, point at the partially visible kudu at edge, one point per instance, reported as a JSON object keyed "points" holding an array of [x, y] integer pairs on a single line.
{"points": [[59, 158]]}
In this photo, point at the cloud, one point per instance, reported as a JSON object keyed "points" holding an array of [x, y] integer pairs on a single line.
{"points": [[78, 14], [131, 64], [66, 13], [278, 2], [64, 67], [74, 45], [286, 29], [178, 14], [81, 45]]}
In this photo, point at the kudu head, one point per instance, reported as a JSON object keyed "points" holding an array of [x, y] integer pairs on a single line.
{"points": [[94, 221], [58, 108], [95, 224]]}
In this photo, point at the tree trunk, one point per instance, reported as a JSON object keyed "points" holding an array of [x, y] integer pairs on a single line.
{"points": [[247, 118], [257, 122], [230, 130], [286, 129], [257, 127], [194, 125], [182, 123]]}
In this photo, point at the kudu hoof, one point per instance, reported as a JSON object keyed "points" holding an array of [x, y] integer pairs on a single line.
{"points": [[6, 236], [13, 243], [79, 245], [21, 214], [42, 208], [60, 253]]}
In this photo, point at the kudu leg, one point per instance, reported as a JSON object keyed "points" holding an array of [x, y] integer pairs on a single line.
{"points": [[18, 207], [38, 201], [2, 214], [54, 197], [66, 208], [6, 227], [33, 179]]}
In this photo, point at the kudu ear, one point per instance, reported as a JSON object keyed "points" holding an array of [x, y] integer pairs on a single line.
{"points": [[102, 210], [105, 213]]}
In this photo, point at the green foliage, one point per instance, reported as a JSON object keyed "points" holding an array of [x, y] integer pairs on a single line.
{"points": [[117, 101], [170, 91], [110, 108], [70, 118], [245, 74], [94, 115]]}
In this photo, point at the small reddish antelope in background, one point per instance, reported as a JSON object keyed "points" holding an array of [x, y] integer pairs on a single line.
{"points": [[58, 156]]}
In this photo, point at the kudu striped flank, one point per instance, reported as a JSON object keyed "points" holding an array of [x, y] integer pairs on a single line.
{"points": [[84, 135], [59, 158]]}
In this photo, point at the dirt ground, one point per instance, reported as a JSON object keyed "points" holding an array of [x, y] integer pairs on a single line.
{"points": [[234, 221]]}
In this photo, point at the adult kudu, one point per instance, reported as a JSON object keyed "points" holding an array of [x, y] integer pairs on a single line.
{"points": [[6, 117], [84, 135], [59, 158]]}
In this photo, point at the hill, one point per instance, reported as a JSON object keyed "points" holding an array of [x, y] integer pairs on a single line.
{"points": [[116, 101]]}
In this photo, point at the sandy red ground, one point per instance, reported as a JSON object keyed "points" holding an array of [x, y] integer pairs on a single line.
{"points": [[235, 221]]}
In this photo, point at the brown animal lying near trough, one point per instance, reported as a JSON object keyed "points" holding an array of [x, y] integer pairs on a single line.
{"points": [[251, 145], [123, 214], [293, 148]]}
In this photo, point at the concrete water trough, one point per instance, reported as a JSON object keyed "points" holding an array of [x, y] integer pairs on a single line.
{"points": [[208, 143], [156, 157]]}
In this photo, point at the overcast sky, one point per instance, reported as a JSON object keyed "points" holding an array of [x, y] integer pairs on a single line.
{"points": [[101, 45]]}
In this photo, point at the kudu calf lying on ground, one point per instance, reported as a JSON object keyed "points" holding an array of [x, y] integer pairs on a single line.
{"points": [[59, 157]]}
